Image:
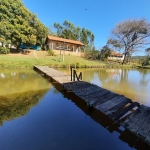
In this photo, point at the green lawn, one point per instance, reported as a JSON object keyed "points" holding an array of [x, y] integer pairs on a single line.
{"points": [[8, 61]]}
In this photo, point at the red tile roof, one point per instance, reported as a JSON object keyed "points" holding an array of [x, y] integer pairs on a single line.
{"points": [[54, 38]]}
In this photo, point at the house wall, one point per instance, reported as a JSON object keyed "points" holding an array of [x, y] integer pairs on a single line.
{"points": [[58, 52], [68, 47]]}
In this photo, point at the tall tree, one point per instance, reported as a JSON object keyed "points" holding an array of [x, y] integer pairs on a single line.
{"points": [[69, 31], [130, 36], [84, 36], [5, 18], [19, 25], [58, 28], [92, 40]]}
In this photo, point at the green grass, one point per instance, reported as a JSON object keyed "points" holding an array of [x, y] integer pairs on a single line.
{"points": [[52, 61], [27, 62], [144, 67]]}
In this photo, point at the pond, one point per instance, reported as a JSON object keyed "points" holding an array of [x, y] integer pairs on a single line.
{"points": [[132, 83], [34, 115]]}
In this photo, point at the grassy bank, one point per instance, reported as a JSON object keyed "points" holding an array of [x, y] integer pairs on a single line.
{"points": [[13, 61], [27, 61], [144, 67]]}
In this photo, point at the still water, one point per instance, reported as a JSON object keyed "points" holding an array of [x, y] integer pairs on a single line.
{"points": [[134, 84], [34, 115]]}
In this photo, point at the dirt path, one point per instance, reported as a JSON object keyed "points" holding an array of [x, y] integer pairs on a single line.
{"points": [[31, 54], [34, 54]]}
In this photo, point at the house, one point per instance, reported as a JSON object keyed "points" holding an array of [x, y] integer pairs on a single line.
{"points": [[116, 56], [57, 43]]}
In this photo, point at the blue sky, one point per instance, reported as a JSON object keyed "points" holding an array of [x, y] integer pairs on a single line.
{"points": [[98, 16]]}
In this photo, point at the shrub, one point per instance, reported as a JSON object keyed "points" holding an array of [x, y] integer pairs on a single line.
{"points": [[77, 64], [4, 50], [72, 65], [145, 61], [64, 66], [93, 55], [51, 52]]}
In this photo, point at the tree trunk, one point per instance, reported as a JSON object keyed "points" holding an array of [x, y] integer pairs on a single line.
{"points": [[124, 58], [129, 60], [18, 46]]}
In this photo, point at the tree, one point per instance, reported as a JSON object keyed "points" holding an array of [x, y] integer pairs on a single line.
{"points": [[58, 28], [84, 36], [31, 40], [146, 59], [41, 34], [92, 40], [69, 31], [93, 55], [5, 27], [105, 53], [5, 32], [147, 51], [130, 36], [18, 25]]}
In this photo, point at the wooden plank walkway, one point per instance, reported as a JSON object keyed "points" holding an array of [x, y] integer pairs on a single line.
{"points": [[131, 115], [54, 74]]}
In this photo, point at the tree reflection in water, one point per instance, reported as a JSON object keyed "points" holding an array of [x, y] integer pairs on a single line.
{"points": [[19, 92], [132, 83], [16, 105]]}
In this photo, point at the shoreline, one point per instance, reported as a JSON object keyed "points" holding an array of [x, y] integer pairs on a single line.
{"points": [[28, 61]]}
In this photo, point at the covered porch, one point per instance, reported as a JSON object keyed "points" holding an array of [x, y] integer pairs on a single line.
{"points": [[57, 43]]}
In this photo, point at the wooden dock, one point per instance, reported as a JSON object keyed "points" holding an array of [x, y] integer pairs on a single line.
{"points": [[132, 116]]}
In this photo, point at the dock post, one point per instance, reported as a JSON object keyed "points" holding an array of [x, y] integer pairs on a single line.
{"points": [[71, 73], [74, 74], [80, 75]]}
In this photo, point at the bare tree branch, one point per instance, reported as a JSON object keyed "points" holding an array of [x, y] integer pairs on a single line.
{"points": [[130, 35]]}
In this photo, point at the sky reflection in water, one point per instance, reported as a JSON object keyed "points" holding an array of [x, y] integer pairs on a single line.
{"points": [[134, 84], [37, 116]]}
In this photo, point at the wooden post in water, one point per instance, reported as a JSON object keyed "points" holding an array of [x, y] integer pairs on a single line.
{"points": [[80, 75], [74, 75], [71, 73]]}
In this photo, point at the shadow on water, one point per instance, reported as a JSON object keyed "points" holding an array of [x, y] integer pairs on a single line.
{"points": [[126, 136], [16, 105]]}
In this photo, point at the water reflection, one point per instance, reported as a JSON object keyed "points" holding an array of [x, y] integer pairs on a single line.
{"points": [[134, 84], [2, 75], [57, 122], [16, 105], [20, 91], [14, 81], [113, 127]]}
